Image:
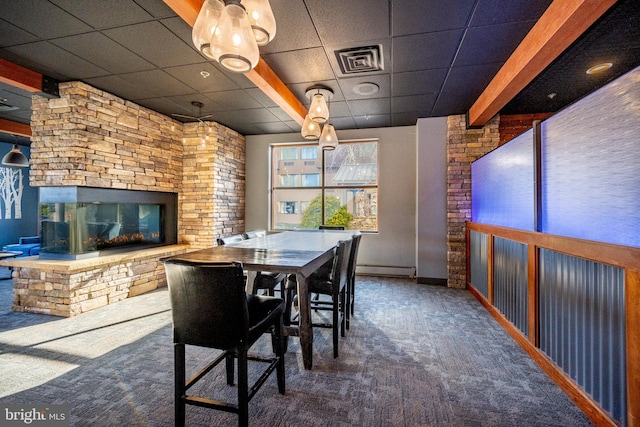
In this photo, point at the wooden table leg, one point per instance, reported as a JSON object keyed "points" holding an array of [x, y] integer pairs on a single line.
{"points": [[305, 329]]}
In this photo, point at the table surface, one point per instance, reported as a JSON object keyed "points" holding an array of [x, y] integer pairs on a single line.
{"points": [[294, 252], [9, 254]]}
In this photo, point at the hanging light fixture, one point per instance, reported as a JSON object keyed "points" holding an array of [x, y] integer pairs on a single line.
{"points": [[15, 158], [205, 25], [233, 44], [319, 110], [328, 139], [262, 20], [310, 129], [230, 32], [318, 114]]}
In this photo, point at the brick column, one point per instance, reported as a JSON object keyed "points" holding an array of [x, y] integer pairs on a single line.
{"points": [[463, 147]]}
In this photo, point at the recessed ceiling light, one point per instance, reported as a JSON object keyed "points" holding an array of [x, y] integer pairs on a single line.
{"points": [[366, 88], [599, 68]]}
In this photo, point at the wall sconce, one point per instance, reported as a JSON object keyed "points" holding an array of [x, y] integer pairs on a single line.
{"points": [[231, 32], [15, 158], [317, 115]]}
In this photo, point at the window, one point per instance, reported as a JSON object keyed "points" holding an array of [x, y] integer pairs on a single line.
{"points": [[289, 153], [288, 208], [340, 187], [310, 180], [289, 180]]}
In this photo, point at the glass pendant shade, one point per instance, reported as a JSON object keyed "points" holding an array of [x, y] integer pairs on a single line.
{"points": [[15, 158], [310, 129], [262, 20], [233, 44], [319, 111], [205, 25], [328, 139]]}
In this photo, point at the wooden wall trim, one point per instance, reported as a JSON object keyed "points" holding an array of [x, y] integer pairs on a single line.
{"points": [[606, 253], [17, 76], [632, 297]]}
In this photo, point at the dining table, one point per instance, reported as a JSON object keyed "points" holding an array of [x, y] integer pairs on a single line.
{"points": [[292, 252]]}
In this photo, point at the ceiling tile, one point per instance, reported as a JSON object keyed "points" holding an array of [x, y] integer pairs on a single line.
{"points": [[491, 42], [55, 62], [158, 9], [365, 107], [418, 82], [261, 97], [339, 109], [414, 17], [280, 114], [373, 121], [425, 51], [190, 75], [339, 21], [405, 119], [36, 16], [343, 122], [233, 100], [275, 127], [153, 42], [421, 104], [291, 37], [103, 52], [490, 12], [382, 81], [11, 35], [181, 29], [158, 82], [462, 88], [161, 105], [117, 85], [301, 66], [105, 14], [186, 107]]}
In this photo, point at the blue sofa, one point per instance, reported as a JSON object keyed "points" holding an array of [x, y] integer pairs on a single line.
{"points": [[27, 245]]}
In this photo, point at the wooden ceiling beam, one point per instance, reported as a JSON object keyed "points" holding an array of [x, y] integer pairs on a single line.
{"points": [[262, 75], [15, 128], [17, 76], [560, 25]]}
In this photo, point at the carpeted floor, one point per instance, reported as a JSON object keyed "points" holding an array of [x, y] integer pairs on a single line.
{"points": [[416, 355]]}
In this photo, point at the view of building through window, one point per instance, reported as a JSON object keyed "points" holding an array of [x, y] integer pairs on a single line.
{"points": [[339, 188]]}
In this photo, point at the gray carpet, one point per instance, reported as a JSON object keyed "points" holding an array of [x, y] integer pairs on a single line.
{"points": [[416, 355]]}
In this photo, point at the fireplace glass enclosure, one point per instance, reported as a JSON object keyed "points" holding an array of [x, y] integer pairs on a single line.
{"points": [[84, 222]]}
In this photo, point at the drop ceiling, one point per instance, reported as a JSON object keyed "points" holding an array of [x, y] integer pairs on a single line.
{"points": [[435, 59]]}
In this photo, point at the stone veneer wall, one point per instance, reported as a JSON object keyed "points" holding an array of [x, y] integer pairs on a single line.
{"points": [[463, 147], [213, 166], [88, 137]]}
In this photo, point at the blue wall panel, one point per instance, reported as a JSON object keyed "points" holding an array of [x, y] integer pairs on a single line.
{"points": [[502, 185], [591, 166]]}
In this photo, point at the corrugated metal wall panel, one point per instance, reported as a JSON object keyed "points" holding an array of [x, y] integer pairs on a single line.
{"points": [[582, 325], [479, 265], [510, 281]]}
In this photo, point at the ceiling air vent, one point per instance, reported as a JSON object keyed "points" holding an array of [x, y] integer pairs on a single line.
{"points": [[364, 59]]}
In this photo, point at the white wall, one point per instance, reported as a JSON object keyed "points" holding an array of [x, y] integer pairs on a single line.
{"points": [[431, 199], [393, 249]]}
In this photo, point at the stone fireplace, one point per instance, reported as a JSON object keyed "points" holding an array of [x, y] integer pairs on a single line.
{"points": [[85, 222], [90, 141]]}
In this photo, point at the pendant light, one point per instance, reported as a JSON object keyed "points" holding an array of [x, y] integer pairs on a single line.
{"points": [[328, 139], [205, 25], [233, 44], [310, 129], [15, 158], [262, 20]]}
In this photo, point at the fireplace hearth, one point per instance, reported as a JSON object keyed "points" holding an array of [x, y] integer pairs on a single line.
{"points": [[86, 222]]}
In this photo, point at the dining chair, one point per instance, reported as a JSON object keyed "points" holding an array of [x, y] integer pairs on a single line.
{"points": [[266, 280], [351, 274], [335, 287], [234, 238], [210, 308], [330, 227]]}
